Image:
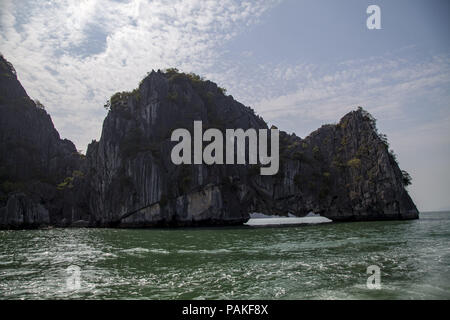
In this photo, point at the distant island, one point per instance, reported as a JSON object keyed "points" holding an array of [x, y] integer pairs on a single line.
{"points": [[342, 171]]}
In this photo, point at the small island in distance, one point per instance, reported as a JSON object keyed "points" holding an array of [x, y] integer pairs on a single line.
{"points": [[343, 171]]}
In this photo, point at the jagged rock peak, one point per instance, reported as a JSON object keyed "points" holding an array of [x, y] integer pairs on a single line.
{"points": [[33, 158]]}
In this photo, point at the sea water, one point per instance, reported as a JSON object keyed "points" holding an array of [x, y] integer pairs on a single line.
{"points": [[298, 261]]}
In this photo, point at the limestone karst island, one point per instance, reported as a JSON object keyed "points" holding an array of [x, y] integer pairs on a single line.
{"points": [[342, 171]]}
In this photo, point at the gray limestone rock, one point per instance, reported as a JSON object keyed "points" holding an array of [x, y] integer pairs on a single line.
{"points": [[343, 171]]}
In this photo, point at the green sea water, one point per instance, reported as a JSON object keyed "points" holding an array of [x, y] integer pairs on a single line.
{"points": [[321, 261]]}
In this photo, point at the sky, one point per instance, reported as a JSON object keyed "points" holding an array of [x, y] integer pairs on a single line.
{"points": [[298, 63]]}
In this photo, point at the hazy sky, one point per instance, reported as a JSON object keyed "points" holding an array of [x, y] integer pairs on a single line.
{"points": [[299, 64]]}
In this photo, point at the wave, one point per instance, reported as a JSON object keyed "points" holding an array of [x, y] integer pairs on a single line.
{"points": [[213, 251], [145, 250]]}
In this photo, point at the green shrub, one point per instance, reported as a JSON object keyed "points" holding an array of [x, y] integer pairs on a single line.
{"points": [[393, 157], [354, 163], [368, 117], [9, 186], [195, 77], [343, 123], [136, 94], [77, 174], [7, 66], [316, 154], [39, 105], [384, 139], [172, 96], [406, 178], [118, 96], [172, 71], [121, 97], [362, 150], [300, 156], [67, 183], [222, 90]]}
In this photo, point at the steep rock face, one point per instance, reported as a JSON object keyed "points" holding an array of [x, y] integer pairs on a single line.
{"points": [[127, 179], [22, 212], [344, 171], [130, 167], [33, 158]]}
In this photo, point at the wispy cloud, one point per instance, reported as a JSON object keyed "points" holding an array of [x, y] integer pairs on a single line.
{"points": [[388, 86], [72, 55]]}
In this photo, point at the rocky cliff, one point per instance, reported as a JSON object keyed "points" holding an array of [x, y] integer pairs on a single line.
{"points": [[33, 158], [344, 171]]}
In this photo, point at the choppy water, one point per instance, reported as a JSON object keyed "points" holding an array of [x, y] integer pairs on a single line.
{"points": [[324, 261]]}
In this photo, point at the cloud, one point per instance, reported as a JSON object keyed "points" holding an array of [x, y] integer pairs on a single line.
{"points": [[72, 55], [388, 86]]}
